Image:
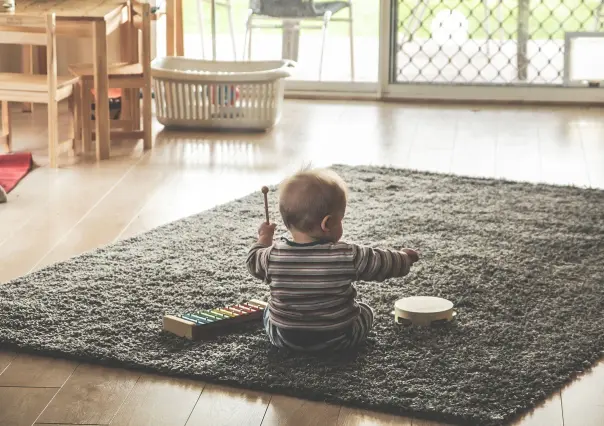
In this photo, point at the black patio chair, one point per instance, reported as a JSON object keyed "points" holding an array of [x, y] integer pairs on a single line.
{"points": [[294, 12]]}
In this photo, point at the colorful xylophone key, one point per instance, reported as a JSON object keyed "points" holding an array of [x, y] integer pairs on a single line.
{"points": [[206, 322]]}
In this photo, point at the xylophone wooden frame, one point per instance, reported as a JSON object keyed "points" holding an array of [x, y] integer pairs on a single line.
{"points": [[191, 326]]}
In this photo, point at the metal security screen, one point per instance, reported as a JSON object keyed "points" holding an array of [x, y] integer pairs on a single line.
{"points": [[489, 42]]}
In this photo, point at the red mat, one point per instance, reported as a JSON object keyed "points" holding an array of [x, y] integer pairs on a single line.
{"points": [[13, 168]]}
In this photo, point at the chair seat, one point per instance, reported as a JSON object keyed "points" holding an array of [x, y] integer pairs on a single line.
{"points": [[31, 83], [124, 70], [306, 10], [331, 6]]}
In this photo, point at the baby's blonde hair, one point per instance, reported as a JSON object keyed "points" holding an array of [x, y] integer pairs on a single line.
{"points": [[308, 196]]}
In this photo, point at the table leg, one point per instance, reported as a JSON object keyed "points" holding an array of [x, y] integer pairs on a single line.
{"points": [[7, 133], [27, 67], [180, 37], [128, 54], [85, 116], [135, 99], [170, 27], [290, 40], [101, 87]]}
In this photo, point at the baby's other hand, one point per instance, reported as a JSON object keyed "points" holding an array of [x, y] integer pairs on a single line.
{"points": [[266, 232], [412, 254]]}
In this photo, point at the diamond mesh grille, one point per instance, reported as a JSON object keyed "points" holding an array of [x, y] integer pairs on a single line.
{"points": [[492, 42]]}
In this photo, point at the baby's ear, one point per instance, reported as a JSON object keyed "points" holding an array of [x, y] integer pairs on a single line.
{"points": [[325, 223]]}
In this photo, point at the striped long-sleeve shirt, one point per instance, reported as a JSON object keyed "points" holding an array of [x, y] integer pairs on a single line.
{"points": [[311, 284]]}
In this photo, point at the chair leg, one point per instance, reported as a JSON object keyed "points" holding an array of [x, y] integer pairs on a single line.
{"points": [[200, 27], [77, 117], [247, 44], [147, 117], [71, 129], [86, 116], [351, 35], [136, 109], [326, 19], [126, 108], [6, 127], [232, 28], [53, 134]]}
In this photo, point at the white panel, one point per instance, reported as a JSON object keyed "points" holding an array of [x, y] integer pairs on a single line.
{"points": [[587, 59]]}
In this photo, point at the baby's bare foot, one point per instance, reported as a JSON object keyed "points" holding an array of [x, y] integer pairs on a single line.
{"points": [[412, 254]]}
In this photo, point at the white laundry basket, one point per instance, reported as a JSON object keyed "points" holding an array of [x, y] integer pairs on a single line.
{"points": [[219, 95]]}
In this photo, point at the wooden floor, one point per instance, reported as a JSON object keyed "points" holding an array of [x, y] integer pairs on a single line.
{"points": [[55, 214]]}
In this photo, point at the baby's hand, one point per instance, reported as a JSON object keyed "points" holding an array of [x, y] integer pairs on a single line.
{"points": [[266, 233], [412, 254]]}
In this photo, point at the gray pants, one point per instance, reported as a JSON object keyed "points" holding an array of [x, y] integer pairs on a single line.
{"points": [[351, 337]]}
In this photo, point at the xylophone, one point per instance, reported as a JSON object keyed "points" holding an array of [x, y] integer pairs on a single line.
{"points": [[207, 322]]}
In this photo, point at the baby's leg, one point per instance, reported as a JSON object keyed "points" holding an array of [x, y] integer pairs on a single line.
{"points": [[277, 339], [361, 327], [272, 331]]}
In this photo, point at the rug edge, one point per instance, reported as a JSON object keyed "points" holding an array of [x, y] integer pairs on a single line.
{"points": [[499, 180]]}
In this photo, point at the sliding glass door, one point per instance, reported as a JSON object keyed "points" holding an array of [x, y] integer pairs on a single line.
{"points": [[532, 50]]}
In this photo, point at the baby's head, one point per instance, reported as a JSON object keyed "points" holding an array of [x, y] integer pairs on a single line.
{"points": [[313, 203]]}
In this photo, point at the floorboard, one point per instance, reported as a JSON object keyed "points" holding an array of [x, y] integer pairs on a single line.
{"points": [[5, 359], [356, 417], [549, 413], [159, 401], [21, 406], [36, 371], [220, 405], [583, 400], [287, 411], [92, 395]]}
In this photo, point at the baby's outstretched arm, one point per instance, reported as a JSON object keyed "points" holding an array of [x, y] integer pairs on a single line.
{"points": [[377, 264], [257, 257]]}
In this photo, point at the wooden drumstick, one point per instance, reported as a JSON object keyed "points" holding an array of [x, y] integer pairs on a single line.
{"points": [[265, 192]]}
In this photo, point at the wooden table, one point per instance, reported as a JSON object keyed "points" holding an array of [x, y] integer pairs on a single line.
{"points": [[93, 19]]}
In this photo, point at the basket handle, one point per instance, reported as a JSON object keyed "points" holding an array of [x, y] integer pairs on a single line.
{"points": [[286, 70]]}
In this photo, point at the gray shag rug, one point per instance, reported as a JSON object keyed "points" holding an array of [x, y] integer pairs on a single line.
{"points": [[523, 263]]}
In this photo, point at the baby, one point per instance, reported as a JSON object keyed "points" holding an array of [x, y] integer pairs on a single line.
{"points": [[312, 306]]}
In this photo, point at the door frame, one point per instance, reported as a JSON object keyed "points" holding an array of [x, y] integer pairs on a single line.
{"points": [[331, 90]]}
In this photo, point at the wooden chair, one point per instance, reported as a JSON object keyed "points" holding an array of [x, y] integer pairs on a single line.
{"points": [[47, 89], [131, 77]]}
